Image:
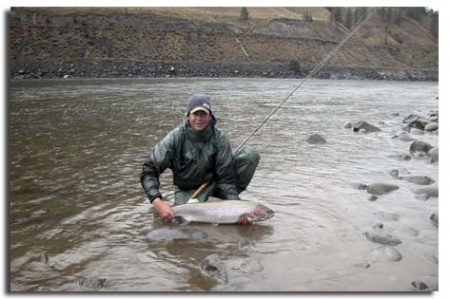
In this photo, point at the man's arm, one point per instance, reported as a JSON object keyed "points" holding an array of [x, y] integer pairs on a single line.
{"points": [[159, 160]]}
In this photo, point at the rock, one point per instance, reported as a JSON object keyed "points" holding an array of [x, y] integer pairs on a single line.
{"points": [[419, 147], [348, 126], [44, 257], [433, 154], [403, 136], [176, 233], [387, 216], [359, 186], [420, 286], [213, 267], [381, 188], [316, 139], [427, 192], [373, 198], [401, 157], [379, 236], [408, 231], [249, 265], [365, 265], [415, 131], [362, 125], [415, 121], [427, 283], [385, 254], [435, 219], [92, 282], [418, 179], [431, 258], [244, 246], [431, 127], [395, 173]]}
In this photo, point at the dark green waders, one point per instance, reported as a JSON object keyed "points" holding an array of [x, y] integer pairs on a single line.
{"points": [[246, 160]]}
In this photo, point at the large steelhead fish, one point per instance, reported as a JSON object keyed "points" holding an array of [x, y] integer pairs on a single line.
{"points": [[221, 212]]}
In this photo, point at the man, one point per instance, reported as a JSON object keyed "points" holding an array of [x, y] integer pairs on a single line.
{"points": [[197, 152]]}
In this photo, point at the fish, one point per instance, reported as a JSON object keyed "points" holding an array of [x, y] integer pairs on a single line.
{"points": [[221, 212]]}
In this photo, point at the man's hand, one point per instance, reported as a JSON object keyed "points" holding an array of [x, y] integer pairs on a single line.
{"points": [[164, 210], [243, 220]]}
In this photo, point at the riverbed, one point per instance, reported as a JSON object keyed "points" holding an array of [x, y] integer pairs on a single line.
{"points": [[77, 211]]}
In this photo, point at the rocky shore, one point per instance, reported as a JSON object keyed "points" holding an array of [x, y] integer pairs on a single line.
{"points": [[111, 68]]}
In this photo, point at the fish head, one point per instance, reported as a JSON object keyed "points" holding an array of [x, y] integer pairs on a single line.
{"points": [[261, 213]]}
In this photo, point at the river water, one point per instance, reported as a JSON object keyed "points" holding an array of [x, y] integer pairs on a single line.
{"points": [[78, 218]]}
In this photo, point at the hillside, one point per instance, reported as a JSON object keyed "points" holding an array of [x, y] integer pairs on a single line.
{"points": [[148, 42]]}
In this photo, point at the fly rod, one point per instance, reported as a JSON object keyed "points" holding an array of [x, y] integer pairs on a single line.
{"points": [[313, 72]]}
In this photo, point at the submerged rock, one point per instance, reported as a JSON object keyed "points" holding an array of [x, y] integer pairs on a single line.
{"points": [[387, 216], [427, 283], [92, 282], [386, 253], [176, 233], [381, 188], [213, 267], [316, 139], [419, 148], [362, 125], [379, 236], [427, 192], [435, 218], [433, 154], [418, 179]]}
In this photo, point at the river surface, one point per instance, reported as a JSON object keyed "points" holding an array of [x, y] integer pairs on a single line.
{"points": [[78, 217]]}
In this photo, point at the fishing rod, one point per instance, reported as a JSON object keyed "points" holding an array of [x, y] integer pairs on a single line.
{"points": [[313, 72]]}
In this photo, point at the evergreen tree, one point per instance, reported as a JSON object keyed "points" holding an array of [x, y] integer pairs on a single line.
{"points": [[349, 18], [244, 13], [434, 25]]}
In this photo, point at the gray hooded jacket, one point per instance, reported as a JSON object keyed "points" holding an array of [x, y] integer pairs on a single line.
{"points": [[195, 157]]}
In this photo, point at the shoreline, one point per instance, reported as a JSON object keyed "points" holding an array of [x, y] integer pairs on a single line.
{"points": [[110, 68]]}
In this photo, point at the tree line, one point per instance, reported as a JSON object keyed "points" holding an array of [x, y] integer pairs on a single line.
{"points": [[349, 16]]}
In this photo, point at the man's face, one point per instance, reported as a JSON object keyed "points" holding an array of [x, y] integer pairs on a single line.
{"points": [[199, 120]]}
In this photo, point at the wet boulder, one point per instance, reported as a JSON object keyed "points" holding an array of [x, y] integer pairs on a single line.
{"points": [[176, 233], [381, 188], [386, 253], [403, 136], [401, 157], [435, 218], [212, 266], [91, 282], [433, 154], [362, 125], [382, 237], [427, 283], [418, 179], [316, 139], [415, 121], [419, 148], [427, 192], [415, 131], [431, 127]]}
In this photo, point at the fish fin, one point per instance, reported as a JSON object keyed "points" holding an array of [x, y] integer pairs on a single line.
{"points": [[193, 200], [180, 220], [215, 224]]}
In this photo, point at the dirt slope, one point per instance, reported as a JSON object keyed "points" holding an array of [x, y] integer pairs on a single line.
{"points": [[271, 37]]}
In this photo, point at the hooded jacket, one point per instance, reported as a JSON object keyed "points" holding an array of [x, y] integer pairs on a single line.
{"points": [[195, 157]]}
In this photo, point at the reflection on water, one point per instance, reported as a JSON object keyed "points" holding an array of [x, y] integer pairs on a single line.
{"points": [[77, 208]]}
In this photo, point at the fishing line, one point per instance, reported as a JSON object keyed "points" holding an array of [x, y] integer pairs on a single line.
{"points": [[314, 71]]}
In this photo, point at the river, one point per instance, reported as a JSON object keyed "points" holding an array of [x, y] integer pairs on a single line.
{"points": [[77, 211]]}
